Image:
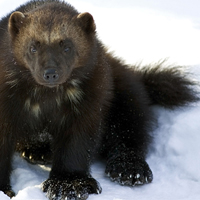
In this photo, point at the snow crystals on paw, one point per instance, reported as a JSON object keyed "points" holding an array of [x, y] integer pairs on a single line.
{"points": [[149, 179], [137, 176], [99, 189]]}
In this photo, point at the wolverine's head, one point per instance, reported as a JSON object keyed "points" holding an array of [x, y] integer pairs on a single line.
{"points": [[51, 41]]}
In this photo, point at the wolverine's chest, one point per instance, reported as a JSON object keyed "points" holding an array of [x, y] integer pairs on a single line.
{"points": [[47, 109]]}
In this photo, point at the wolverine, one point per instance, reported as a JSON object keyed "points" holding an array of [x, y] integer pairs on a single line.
{"points": [[64, 98]]}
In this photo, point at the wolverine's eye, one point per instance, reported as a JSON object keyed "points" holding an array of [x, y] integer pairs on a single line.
{"points": [[67, 49], [65, 45], [33, 49]]}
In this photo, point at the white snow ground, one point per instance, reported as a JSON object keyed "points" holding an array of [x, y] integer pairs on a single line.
{"points": [[142, 31]]}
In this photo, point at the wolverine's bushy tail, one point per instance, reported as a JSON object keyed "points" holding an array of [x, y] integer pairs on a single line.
{"points": [[169, 86]]}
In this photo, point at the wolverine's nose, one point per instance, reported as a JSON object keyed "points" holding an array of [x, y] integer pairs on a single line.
{"points": [[51, 75]]}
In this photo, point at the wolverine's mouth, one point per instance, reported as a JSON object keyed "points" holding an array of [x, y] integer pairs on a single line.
{"points": [[51, 85]]}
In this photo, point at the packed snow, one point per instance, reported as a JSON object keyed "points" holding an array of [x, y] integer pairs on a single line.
{"points": [[141, 32]]}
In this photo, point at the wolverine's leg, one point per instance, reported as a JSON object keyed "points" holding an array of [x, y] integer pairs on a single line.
{"points": [[127, 138]]}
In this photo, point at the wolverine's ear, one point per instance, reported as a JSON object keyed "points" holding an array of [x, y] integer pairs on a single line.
{"points": [[16, 21], [86, 22]]}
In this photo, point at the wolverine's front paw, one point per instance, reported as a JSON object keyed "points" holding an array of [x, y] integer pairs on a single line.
{"points": [[8, 191], [37, 156], [78, 189], [129, 170]]}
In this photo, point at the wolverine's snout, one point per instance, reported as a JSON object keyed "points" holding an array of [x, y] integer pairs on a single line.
{"points": [[50, 75]]}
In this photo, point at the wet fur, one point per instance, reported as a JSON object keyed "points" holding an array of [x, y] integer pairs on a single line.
{"points": [[99, 105]]}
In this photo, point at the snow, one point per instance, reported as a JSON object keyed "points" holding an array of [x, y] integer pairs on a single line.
{"points": [[141, 31]]}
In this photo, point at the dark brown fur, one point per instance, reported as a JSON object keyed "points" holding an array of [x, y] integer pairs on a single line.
{"points": [[63, 98]]}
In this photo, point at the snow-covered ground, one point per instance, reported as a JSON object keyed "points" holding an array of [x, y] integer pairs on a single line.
{"points": [[142, 31]]}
